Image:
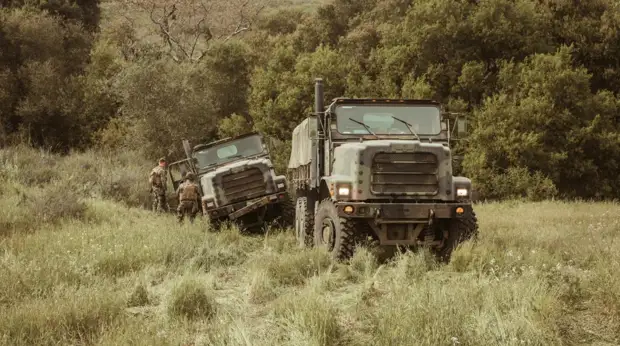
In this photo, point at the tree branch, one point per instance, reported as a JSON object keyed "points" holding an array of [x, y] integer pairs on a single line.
{"points": [[199, 22], [164, 28], [198, 34]]}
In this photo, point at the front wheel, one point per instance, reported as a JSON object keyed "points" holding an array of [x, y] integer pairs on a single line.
{"points": [[214, 225], [460, 230], [334, 233]]}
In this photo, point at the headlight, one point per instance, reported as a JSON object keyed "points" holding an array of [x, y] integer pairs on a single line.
{"points": [[210, 205], [343, 191], [461, 192], [280, 185]]}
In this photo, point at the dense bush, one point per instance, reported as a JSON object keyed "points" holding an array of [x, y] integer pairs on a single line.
{"points": [[539, 79], [543, 104], [56, 182], [45, 98]]}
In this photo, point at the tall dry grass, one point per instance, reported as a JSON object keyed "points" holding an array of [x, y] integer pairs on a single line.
{"points": [[103, 273]]}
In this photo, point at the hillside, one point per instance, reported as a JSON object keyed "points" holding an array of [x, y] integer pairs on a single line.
{"points": [[93, 92], [537, 80], [76, 267]]}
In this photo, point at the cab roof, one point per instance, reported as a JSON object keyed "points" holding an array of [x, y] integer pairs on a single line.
{"points": [[225, 140], [339, 100]]}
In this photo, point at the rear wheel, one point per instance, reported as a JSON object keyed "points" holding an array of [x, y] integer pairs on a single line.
{"points": [[288, 212], [334, 233], [460, 230], [304, 223]]}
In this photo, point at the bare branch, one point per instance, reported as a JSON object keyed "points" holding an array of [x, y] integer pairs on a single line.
{"points": [[164, 28], [199, 22], [198, 34], [237, 31]]}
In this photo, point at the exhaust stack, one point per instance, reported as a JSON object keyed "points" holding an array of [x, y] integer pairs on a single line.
{"points": [[317, 169], [319, 106]]}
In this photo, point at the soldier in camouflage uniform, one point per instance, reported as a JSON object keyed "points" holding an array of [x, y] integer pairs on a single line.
{"points": [[189, 198], [158, 181]]}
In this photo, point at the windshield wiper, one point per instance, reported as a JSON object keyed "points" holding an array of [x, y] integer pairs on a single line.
{"points": [[225, 160], [366, 126], [409, 126]]}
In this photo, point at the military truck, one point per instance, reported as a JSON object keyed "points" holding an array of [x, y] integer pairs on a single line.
{"points": [[380, 168], [237, 181]]}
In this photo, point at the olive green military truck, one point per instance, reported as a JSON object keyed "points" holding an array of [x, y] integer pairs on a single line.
{"points": [[380, 168], [237, 181]]}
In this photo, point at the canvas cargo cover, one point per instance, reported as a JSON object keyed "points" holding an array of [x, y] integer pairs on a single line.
{"points": [[303, 144]]}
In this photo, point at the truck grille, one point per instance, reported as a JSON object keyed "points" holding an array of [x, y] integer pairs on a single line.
{"points": [[404, 174], [243, 185]]}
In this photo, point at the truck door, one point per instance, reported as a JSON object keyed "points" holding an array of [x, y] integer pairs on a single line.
{"points": [[177, 171]]}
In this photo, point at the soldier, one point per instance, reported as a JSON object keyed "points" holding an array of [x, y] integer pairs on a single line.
{"points": [[158, 181], [188, 194]]}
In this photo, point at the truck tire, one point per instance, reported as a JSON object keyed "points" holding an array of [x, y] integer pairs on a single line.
{"points": [[287, 219], [459, 231], [214, 224], [304, 223], [333, 232]]}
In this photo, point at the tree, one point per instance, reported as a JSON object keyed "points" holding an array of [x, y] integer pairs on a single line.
{"points": [[42, 60], [187, 27], [546, 124], [85, 12]]}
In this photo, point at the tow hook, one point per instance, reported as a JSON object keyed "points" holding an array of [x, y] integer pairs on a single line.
{"points": [[431, 216]]}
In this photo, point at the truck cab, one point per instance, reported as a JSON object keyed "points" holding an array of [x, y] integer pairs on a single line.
{"points": [[238, 181]]}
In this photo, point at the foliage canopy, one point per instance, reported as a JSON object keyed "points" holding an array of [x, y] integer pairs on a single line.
{"points": [[539, 79]]}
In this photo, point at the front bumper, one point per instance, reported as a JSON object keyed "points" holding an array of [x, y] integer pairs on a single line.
{"points": [[403, 212], [236, 210]]}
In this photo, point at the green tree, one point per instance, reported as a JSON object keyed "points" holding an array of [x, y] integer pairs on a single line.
{"points": [[42, 60], [545, 122], [85, 12]]}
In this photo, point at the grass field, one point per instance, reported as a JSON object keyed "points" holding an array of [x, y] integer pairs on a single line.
{"points": [[88, 269]]}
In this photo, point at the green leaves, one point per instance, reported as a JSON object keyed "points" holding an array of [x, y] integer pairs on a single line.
{"points": [[533, 90], [545, 117]]}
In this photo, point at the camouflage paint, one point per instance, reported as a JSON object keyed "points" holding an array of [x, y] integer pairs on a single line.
{"points": [[363, 166], [213, 182]]}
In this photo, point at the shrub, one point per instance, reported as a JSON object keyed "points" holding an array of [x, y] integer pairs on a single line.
{"points": [[56, 203], [191, 300], [308, 318], [296, 268], [116, 176], [57, 320], [139, 296], [28, 166]]}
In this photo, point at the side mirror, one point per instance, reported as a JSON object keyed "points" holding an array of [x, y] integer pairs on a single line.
{"points": [[461, 126]]}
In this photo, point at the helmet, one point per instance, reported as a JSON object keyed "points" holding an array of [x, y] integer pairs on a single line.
{"points": [[190, 176], [162, 159]]}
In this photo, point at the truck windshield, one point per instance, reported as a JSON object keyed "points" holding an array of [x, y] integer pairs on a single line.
{"points": [[229, 151], [424, 119]]}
